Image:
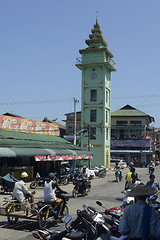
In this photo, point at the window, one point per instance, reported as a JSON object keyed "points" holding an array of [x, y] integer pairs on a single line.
{"points": [[93, 97], [106, 96], [106, 116], [106, 133], [93, 116], [92, 133], [136, 123], [70, 130], [121, 123]]}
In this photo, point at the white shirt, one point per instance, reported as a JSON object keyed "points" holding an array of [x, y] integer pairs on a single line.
{"points": [[20, 191], [49, 192], [131, 185]]}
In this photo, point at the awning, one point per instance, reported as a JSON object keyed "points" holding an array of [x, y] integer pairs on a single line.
{"points": [[53, 153], [63, 157], [15, 144]]}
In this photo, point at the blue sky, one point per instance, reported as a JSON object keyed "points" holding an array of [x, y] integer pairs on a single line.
{"points": [[40, 41]]}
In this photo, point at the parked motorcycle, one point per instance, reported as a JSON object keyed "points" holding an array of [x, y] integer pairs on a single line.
{"points": [[82, 186], [112, 217], [58, 235], [94, 224], [127, 200], [62, 179], [84, 227], [37, 182], [100, 172]]}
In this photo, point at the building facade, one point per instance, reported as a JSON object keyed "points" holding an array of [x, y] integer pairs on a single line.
{"points": [[131, 135], [96, 65], [69, 135]]}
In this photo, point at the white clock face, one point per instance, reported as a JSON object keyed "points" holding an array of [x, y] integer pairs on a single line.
{"points": [[93, 75]]}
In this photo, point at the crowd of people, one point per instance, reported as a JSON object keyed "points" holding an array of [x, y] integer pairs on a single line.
{"points": [[139, 221]]}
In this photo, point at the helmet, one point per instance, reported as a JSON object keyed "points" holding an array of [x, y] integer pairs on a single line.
{"points": [[51, 175], [84, 166], [131, 164], [24, 175], [151, 161]]}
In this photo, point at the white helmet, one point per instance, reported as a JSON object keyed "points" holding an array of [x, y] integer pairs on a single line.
{"points": [[24, 175]]}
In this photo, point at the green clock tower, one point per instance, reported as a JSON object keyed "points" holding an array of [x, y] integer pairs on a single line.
{"points": [[96, 65]]}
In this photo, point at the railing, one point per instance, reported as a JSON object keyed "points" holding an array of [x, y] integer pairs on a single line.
{"points": [[96, 59]]}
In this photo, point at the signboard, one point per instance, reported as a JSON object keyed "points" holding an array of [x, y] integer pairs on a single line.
{"points": [[63, 157], [131, 143], [28, 126]]}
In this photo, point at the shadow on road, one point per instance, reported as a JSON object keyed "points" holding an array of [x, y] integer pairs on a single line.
{"points": [[27, 226]]}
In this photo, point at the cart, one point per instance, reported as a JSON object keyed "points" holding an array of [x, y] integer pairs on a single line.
{"points": [[7, 183], [14, 210]]}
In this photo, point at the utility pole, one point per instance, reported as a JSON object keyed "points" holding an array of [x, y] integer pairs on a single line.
{"points": [[89, 147], [75, 120]]}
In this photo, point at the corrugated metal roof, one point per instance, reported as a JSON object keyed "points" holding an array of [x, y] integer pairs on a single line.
{"points": [[128, 110], [14, 144]]}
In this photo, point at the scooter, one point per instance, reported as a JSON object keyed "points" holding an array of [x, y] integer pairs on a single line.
{"points": [[127, 200], [151, 170], [100, 172], [118, 175]]}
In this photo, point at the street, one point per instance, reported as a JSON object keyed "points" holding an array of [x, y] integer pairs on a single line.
{"points": [[106, 190]]}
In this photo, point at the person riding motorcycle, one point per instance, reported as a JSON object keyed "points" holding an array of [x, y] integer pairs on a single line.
{"points": [[153, 184], [117, 170], [84, 175], [151, 167], [20, 191], [49, 193], [134, 182]]}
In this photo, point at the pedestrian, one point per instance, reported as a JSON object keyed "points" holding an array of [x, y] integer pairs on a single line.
{"points": [[154, 185], [139, 220]]}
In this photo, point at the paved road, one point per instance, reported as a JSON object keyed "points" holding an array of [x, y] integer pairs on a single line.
{"points": [[106, 190]]}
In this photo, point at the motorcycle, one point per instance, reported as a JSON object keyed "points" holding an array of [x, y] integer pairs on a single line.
{"points": [[55, 235], [151, 170], [37, 182], [127, 200], [100, 172], [94, 224], [118, 175], [85, 226], [112, 217], [82, 186], [62, 179], [48, 212]]}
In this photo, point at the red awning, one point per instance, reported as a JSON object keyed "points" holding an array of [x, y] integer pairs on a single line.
{"points": [[63, 157]]}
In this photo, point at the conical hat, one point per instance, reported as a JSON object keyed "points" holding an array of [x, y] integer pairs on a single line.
{"points": [[142, 190]]}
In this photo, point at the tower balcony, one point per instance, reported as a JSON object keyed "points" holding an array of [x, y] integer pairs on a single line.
{"points": [[98, 60]]}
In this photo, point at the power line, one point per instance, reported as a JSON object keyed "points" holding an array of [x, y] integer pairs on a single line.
{"points": [[58, 100]]}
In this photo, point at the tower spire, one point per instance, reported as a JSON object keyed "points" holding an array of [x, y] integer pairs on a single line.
{"points": [[96, 17]]}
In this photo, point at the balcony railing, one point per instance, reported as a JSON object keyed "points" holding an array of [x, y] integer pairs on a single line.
{"points": [[92, 60]]}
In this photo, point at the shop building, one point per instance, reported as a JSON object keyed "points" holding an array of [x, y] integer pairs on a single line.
{"points": [[131, 135], [34, 146]]}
